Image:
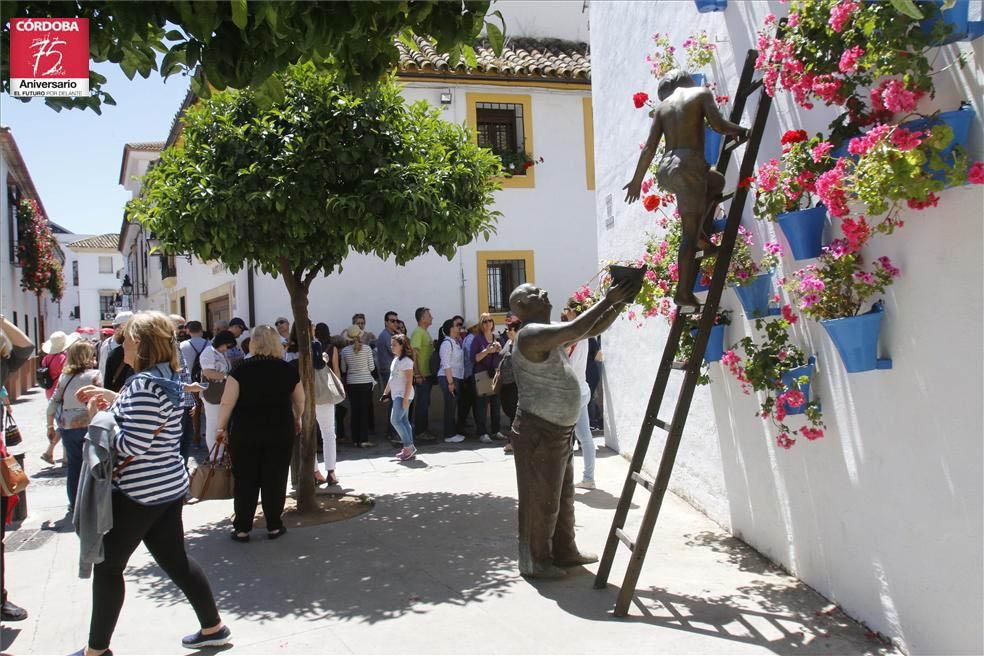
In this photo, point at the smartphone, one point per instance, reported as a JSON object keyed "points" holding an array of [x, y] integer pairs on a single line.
{"points": [[204, 384]]}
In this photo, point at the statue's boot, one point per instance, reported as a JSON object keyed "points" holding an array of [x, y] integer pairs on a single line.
{"points": [[686, 300], [580, 558], [544, 571]]}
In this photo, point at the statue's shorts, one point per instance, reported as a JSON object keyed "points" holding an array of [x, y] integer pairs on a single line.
{"points": [[683, 171], [545, 478]]}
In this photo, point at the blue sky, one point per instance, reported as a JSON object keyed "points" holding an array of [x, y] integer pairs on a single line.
{"points": [[74, 156]]}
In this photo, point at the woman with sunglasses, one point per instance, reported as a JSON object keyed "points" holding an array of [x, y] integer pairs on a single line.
{"points": [[486, 354]]}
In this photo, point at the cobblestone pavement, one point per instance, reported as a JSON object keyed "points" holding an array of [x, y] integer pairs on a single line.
{"points": [[431, 569]]}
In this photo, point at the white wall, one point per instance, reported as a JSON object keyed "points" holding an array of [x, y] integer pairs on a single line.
{"points": [[92, 283], [883, 515]]}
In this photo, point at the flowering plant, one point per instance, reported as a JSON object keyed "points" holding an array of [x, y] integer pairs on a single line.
{"points": [[891, 167], [837, 286], [832, 51], [698, 49], [584, 297], [744, 267], [793, 185], [762, 368], [41, 269], [517, 163]]}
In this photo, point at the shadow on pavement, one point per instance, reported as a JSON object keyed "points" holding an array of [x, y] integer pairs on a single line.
{"points": [[598, 498], [410, 552]]}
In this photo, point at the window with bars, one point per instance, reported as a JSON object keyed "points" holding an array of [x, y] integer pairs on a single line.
{"points": [[500, 129], [503, 277], [107, 307]]}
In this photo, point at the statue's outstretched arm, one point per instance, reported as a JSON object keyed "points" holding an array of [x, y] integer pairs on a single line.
{"points": [[717, 120]]}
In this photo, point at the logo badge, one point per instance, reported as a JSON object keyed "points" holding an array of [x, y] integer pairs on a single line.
{"points": [[49, 57]]}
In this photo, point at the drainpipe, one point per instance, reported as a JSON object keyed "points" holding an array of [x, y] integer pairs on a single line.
{"points": [[461, 264], [251, 300]]}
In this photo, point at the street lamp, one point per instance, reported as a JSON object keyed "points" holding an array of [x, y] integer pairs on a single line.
{"points": [[127, 286]]}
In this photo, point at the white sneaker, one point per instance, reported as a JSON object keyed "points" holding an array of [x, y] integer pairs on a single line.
{"points": [[585, 485], [500, 436], [455, 439], [485, 439]]}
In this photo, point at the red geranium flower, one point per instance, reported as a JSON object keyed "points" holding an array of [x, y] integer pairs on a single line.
{"points": [[640, 99], [651, 203], [747, 182], [793, 136]]}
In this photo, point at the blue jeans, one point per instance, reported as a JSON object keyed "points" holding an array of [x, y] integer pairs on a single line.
{"points": [[450, 406], [482, 404], [421, 402], [401, 422], [187, 432], [582, 431], [72, 439]]}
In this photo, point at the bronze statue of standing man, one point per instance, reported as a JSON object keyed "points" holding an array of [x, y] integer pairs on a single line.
{"points": [[549, 405], [679, 119]]}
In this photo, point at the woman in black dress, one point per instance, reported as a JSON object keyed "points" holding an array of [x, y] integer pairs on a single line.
{"points": [[262, 404]]}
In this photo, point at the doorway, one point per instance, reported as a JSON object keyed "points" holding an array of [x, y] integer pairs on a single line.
{"points": [[216, 310]]}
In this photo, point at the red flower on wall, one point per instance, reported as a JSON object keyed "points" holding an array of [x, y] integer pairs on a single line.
{"points": [[640, 99]]}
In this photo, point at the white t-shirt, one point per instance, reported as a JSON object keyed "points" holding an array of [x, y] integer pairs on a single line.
{"points": [[212, 359], [579, 362], [398, 382], [452, 357]]}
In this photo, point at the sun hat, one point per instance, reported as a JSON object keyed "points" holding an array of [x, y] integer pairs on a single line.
{"points": [[122, 318], [353, 333], [57, 343]]}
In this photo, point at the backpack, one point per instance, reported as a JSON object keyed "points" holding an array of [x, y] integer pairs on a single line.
{"points": [[196, 367], [43, 374], [435, 358]]}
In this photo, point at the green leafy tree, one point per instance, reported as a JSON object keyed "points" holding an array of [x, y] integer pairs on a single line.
{"points": [[292, 189], [238, 43]]}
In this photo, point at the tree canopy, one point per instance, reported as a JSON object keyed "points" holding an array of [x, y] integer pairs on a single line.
{"points": [[238, 43], [293, 188]]}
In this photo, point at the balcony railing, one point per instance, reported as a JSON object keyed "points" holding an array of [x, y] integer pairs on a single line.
{"points": [[168, 267]]}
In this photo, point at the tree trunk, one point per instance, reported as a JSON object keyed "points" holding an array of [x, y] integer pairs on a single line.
{"points": [[298, 290]]}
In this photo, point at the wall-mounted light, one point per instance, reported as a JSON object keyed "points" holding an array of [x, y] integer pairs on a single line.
{"points": [[446, 97], [127, 287]]}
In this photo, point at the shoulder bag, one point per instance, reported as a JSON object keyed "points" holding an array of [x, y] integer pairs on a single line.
{"points": [[213, 393], [213, 478], [327, 387]]}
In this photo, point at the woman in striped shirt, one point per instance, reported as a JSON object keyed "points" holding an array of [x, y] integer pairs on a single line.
{"points": [[150, 484], [357, 365]]}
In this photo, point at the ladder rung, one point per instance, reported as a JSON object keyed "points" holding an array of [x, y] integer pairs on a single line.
{"points": [[679, 365], [731, 145], [626, 540], [659, 423], [727, 196], [643, 481]]}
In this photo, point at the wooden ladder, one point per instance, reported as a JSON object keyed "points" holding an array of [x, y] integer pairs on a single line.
{"points": [[638, 547]]}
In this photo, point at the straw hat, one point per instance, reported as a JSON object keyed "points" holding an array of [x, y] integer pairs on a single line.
{"points": [[58, 342], [354, 333]]}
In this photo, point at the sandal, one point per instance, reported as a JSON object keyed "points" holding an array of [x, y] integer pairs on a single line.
{"points": [[48, 459], [319, 478], [273, 535]]}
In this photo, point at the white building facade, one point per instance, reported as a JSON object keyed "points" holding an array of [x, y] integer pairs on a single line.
{"points": [[883, 515], [93, 279]]}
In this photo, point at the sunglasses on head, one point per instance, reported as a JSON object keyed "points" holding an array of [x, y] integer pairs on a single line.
{"points": [[488, 321], [458, 325]]}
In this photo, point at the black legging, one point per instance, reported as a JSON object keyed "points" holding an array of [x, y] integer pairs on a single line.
{"points": [[259, 467], [360, 400], [162, 532]]}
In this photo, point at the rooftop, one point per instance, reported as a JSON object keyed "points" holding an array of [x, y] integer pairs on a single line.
{"points": [[108, 241], [547, 60]]}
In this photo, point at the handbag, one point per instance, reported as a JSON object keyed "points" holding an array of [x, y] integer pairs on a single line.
{"points": [[213, 393], [483, 383], [11, 434], [213, 478], [327, 387]]}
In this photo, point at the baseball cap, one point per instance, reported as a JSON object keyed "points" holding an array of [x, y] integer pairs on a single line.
{"points": [[236, 321], [122, 318]]}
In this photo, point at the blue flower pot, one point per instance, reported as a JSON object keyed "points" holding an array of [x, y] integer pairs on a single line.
{"points": [[698, 286], [715, 343], [707, 6], [712, 145], [788, 379], [719, 224], [804, 231], [961, 29], [856, 339], [960, 121], [755, 297], [698, 79]]}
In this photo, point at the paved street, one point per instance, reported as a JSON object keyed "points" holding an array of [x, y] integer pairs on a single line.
{"points": [[430, 569]]}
